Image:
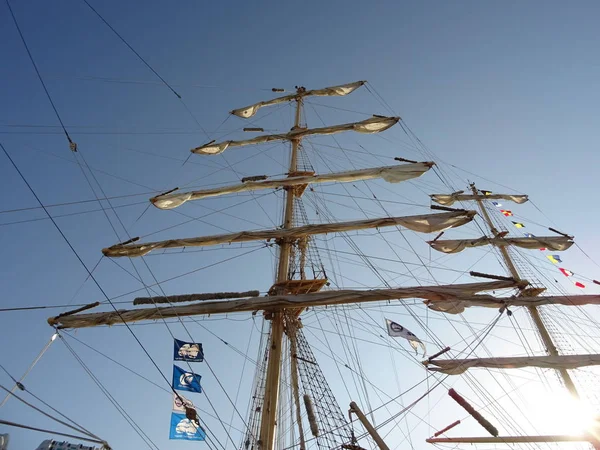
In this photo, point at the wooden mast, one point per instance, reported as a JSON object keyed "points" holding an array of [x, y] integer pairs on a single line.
{"points": [[271, 398], [535, 315]]}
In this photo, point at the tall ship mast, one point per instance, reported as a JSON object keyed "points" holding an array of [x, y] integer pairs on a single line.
{"points": [[293, 404]]}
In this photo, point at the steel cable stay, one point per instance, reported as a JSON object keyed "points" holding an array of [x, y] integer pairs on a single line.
{"points": [[74, 425], [29, 369], [72, 145], [112, 400], [58, 433]]}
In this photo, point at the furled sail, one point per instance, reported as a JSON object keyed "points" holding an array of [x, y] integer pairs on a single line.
{"points": [[449, 199], [458, 366], [489, 301], [391, 174], [341, 90], [373, 125], [275, 302], [426, 223], [554, 243]]}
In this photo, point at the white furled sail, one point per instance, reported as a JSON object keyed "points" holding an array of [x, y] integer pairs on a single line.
{"points": [[375, 124], [391, 174], [426, 223], [275, 302], [340, 90], [449, 199], [554, 243], [489, 301], [458, 366]]}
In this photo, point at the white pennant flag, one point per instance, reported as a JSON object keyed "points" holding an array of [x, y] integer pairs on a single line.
{"points": [[396, 330]]}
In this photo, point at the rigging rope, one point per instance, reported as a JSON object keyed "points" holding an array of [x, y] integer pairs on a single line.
{"points": [[77, 427], [27, 427], [132, 49], [72, 145]]}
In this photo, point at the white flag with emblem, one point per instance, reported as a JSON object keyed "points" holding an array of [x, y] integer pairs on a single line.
{"points": [[180, 403], [396, 330]]}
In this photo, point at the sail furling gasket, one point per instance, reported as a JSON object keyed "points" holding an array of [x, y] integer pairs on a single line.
{"points": [[459, 366], [478, 417], [554, 243], [492, 277], [193, 297], [450, 199], [458, 306]]}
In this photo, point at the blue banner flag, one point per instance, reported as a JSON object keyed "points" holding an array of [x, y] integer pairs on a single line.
{"points": [[186, 429], [188, 351], [186, 381]]}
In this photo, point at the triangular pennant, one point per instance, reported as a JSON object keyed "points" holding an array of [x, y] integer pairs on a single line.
{"points": [[518, 224], [497, 204], [580, 285], [485, 192], [554, 258]]}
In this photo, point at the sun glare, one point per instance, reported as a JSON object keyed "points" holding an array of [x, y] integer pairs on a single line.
{"points": [[561, 413]]}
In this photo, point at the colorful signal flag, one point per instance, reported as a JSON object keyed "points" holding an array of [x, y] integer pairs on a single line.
{"points": [[554, 258], [565, 272], [518, 224]]}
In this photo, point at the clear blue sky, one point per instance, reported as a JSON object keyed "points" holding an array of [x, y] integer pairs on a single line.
{"points": [[507, 90]]}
